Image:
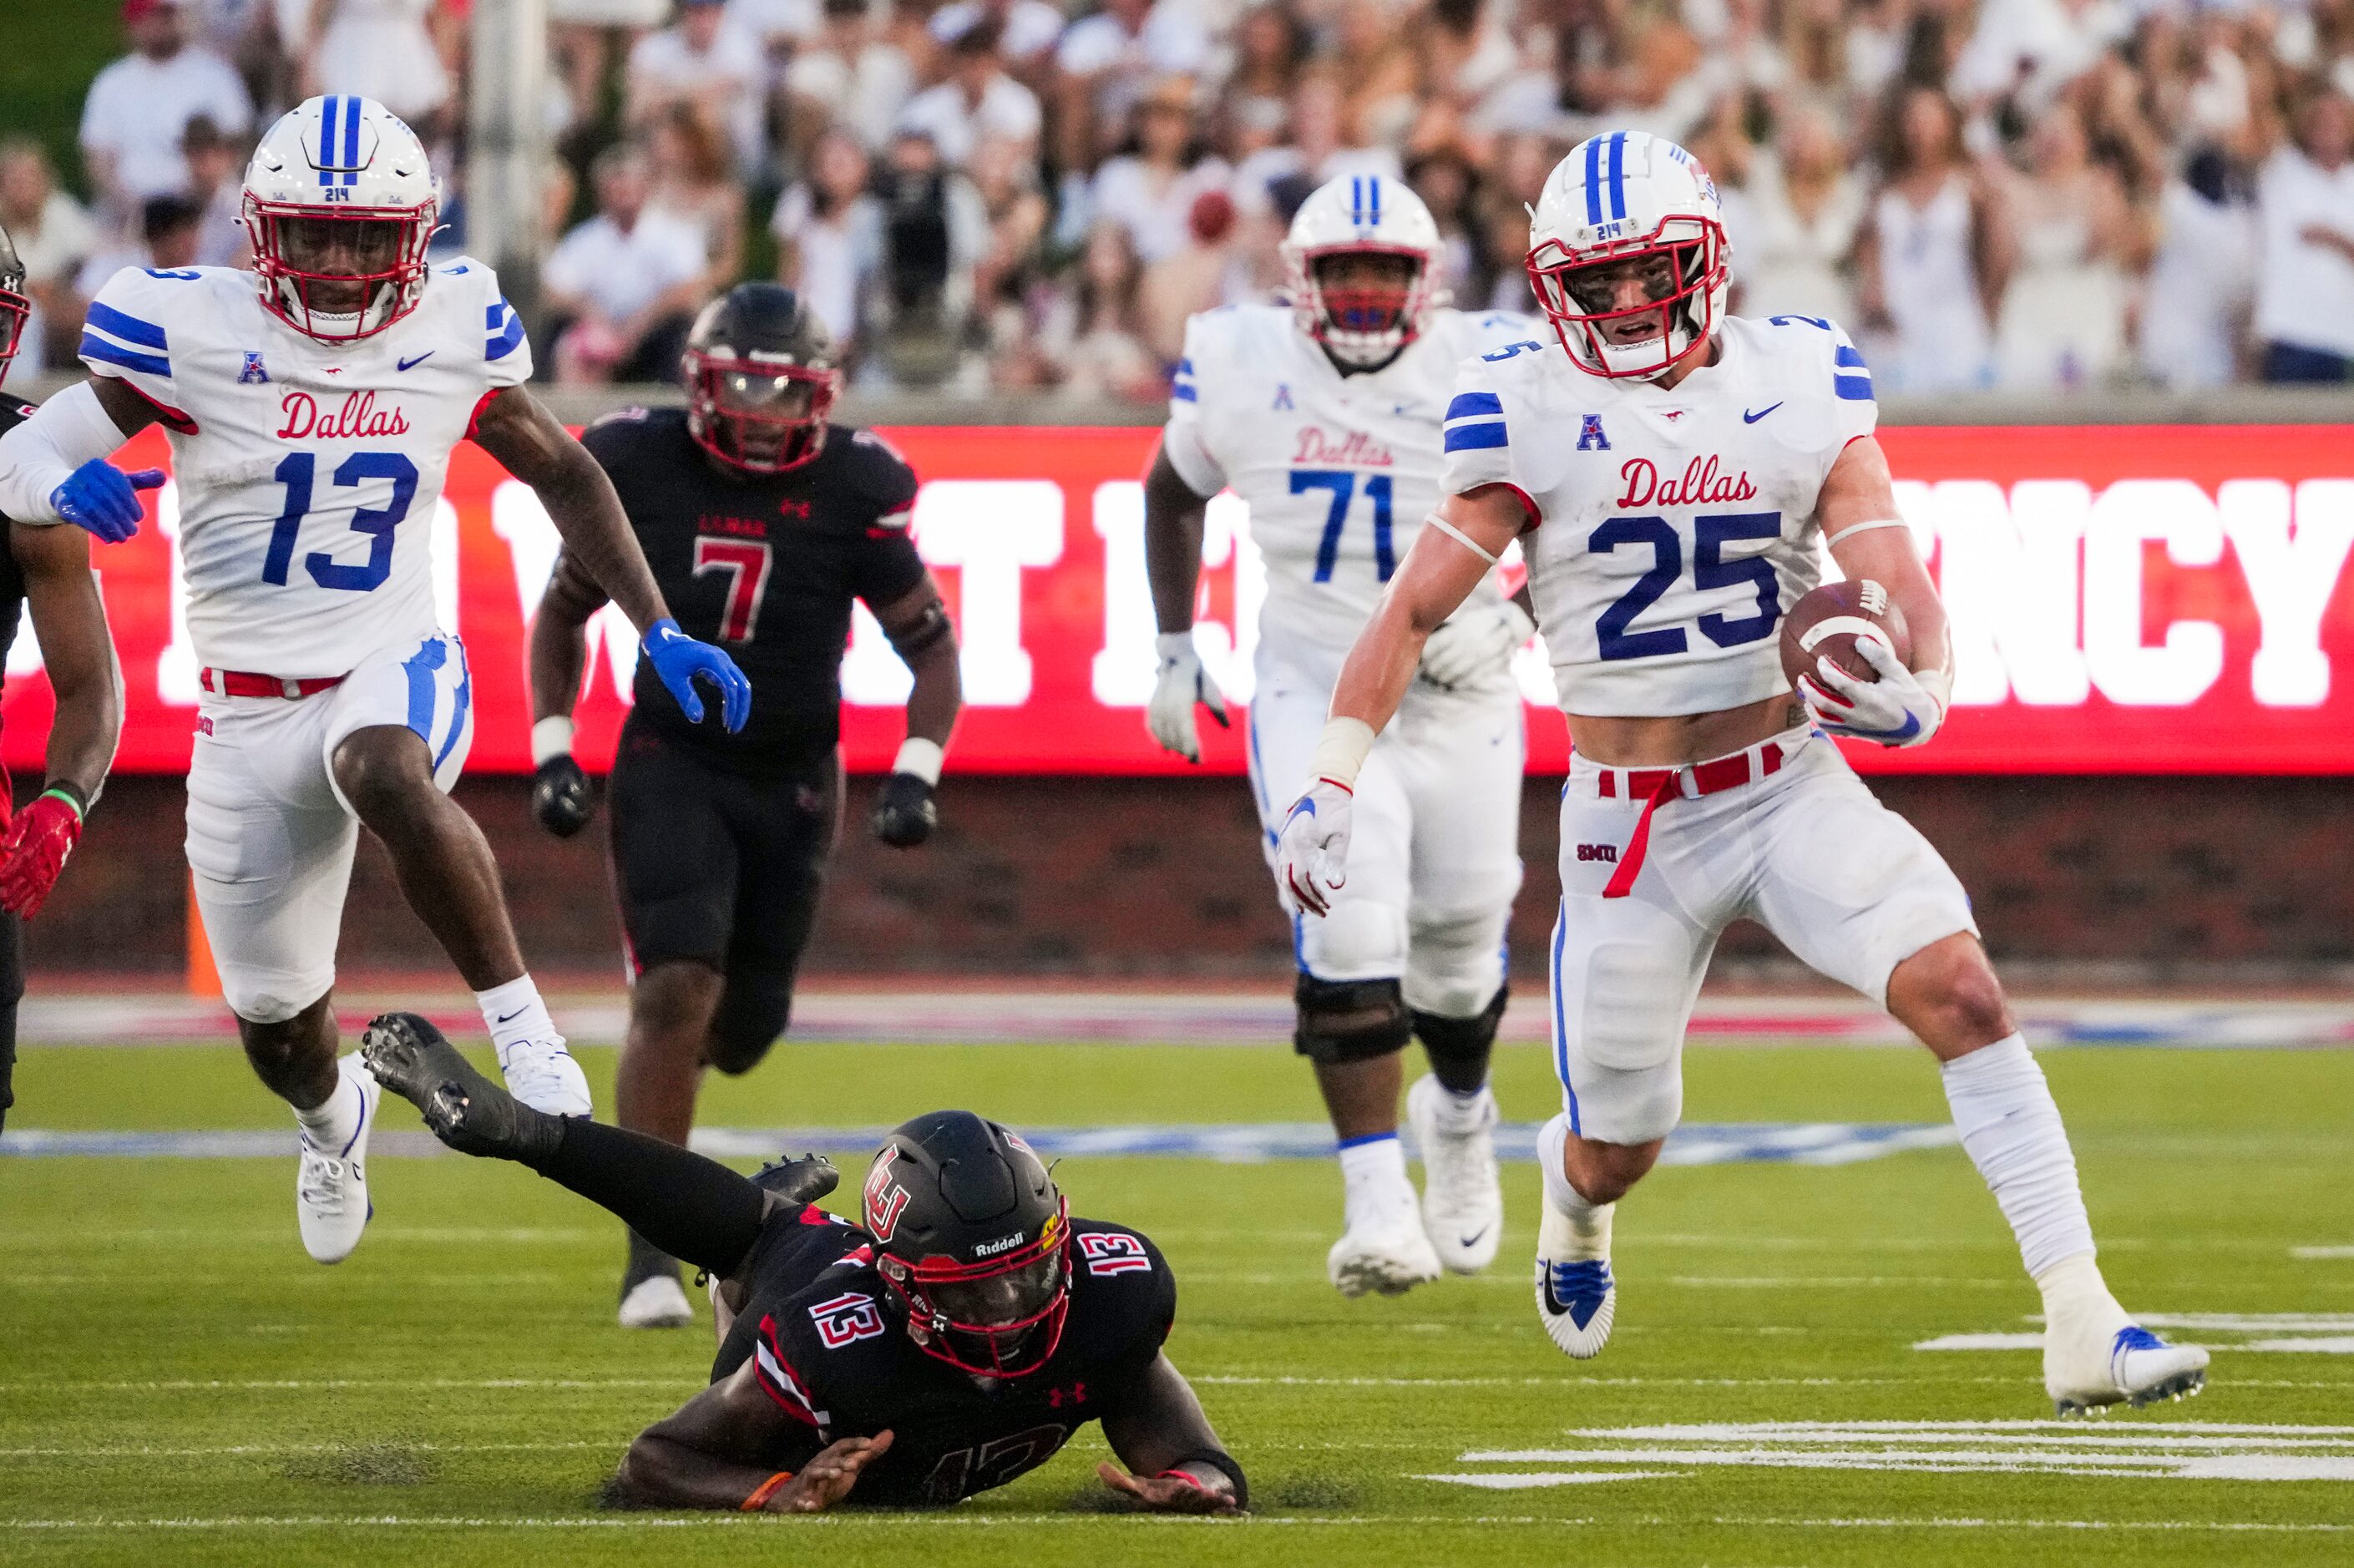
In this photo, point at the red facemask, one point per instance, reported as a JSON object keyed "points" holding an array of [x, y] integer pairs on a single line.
{"points": [[764, 419], [338, 283], [15, 309], [1582, 308], [999, 1318]]}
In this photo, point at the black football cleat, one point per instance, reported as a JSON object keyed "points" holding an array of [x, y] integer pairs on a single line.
{"points": [[802, 1180], [461, 1107]]}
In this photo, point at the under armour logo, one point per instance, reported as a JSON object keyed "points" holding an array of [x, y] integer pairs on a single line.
{"points": [[1076, 1395]]}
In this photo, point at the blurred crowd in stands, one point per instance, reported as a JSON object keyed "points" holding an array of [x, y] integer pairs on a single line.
{"points": [[1000, 194]]}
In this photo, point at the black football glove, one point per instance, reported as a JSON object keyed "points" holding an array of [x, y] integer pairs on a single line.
{"points": [[903, 814], [559, 796]]}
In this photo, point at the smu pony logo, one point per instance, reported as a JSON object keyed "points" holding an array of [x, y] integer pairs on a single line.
{"points": [[1698, 483], [357, 418], [886, 1199], [1354, 450]]}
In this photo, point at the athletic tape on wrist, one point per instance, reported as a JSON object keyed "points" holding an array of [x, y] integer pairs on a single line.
{"points": [[1341, 750], [550, 737], [921, 758]]}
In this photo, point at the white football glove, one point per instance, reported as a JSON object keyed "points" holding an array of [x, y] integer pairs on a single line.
{"points": [[1473, 641], [1311, 853], [1897, 709], [1181, 684]]}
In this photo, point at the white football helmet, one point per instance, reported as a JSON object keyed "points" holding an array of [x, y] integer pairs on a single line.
{"points": [[1620, 197], [341, 204], [1361, 215]]}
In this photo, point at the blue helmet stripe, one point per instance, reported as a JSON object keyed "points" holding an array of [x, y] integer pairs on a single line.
{"points": [[1374, 182], [327, 139], [351, 140], [1618, 173], [1594, 179]]}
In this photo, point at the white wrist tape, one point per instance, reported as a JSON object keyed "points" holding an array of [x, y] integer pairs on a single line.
{"points": [[1340, 751], [1460, 537], [41, 454], [1852, 529], [921, 758], [1939, 685], [550, 737], [1172, 645]]}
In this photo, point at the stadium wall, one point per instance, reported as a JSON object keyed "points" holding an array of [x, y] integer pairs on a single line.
{"points": [[2195, 879]]}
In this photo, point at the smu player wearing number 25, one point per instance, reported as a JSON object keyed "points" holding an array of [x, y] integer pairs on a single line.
{"points": [[764, 526], [1668, 472], [312, 404]]}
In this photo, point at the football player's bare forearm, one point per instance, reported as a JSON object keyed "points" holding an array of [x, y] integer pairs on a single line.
{"points": [[660, 1472], [70, 620], [1156, 1430], [580, 501], [1174, 518], [1857, 495], [559, 640], [938, 694]]}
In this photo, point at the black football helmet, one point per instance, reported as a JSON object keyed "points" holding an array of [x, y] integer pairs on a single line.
{"points": [[14, 307], [974, 1240], [761, 374]]}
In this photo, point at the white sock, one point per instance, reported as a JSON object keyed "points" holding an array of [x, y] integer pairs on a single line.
{"points": [[2073, 1288], [2011, 1131], [1462, 1112], [1572, 1227], [334, 1122], [1373, 1174], [514, 1015]]}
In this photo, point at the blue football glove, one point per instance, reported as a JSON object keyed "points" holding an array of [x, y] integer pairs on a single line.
{"points": [[104, 499], [678, 659]]}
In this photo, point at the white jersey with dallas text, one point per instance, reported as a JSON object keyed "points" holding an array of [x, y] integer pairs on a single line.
{"points": [[308, 472], [1338, 471], [1675, 528]]}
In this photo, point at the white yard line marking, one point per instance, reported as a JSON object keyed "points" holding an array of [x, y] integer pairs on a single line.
{"points": [[2185, 1450], [2278, 1333], [965, 1519], [2321, 1252]]}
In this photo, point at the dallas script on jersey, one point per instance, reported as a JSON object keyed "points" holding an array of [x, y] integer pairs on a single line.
{"points": [[357, 418], [1356, 448], [1700, 482]]}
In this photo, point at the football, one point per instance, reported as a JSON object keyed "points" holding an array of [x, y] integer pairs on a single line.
{"points": [[1827, 622]]}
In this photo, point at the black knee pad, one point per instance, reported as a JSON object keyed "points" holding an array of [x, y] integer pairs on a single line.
{"points": [[1349, 1021], [1458, 1048], [750, 1017]]}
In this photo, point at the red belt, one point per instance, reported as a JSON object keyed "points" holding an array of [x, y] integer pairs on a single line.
{"points": [[1653, 785], [243, 684]]}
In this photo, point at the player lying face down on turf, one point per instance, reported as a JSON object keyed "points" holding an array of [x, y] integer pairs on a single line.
{"points": [[766, 525], [1671, 474], [1322, 416], [312, 402], [45, 570], [951, 1341]]}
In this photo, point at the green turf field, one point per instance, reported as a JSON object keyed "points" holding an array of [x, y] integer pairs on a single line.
{"points": [[179, 1384]]}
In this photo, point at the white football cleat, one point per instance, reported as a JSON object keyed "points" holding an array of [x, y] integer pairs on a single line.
{"points": [[1577, 1298], [331, 1195], [1462, 1194], [542, 1075], [2095, 1361], [657, 1301], [1386, 1252]]}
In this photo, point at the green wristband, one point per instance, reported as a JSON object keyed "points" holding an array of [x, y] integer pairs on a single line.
{"points": [[66, 794]]}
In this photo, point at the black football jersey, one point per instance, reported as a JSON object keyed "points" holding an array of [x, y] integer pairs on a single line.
{"points": [[831, 1349], [765, 567], [13, 412]]}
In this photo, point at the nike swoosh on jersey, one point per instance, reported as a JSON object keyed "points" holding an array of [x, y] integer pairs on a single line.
{"points": [[1749, 419], [413, 363]]}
